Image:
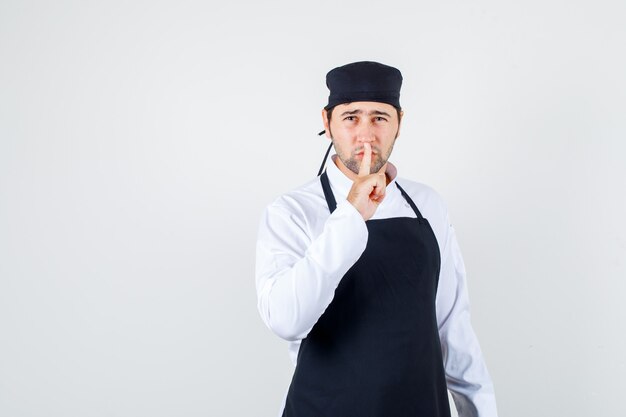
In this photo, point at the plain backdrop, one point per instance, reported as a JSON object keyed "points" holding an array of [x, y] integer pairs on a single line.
{"points": [[141, 140]]}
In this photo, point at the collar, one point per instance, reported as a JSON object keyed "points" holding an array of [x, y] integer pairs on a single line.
{"points": [[341, 184]]}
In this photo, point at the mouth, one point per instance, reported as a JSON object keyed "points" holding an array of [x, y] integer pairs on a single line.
{"points": [[360, 153]]}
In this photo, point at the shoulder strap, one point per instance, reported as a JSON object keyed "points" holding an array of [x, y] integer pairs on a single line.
{"points": [[410, 201], [330, 198], [332, 203]]}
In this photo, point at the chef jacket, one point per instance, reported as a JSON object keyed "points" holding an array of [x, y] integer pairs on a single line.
{"points": [[303, 251]]}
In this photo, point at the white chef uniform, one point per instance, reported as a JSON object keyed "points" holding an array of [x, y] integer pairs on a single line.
{"points": [[303, 251]]}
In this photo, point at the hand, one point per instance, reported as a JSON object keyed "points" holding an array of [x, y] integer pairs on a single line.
{"points": [[368, 190]]}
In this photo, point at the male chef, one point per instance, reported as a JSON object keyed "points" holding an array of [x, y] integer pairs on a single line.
{"points": [[361, 272]]}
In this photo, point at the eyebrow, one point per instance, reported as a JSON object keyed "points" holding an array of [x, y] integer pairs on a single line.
{"points": [[359, 111]]}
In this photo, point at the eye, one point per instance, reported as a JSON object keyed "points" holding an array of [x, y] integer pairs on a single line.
{"points": [[380, 119], [350, 118]]}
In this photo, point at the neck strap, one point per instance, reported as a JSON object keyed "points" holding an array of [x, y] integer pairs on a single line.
{"points": [[332, 203]]}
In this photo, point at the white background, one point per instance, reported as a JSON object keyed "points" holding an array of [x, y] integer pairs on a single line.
{"points": [[140, 141]]}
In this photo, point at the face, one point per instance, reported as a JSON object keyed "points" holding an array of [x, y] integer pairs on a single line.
{"points": [[353, 124]]}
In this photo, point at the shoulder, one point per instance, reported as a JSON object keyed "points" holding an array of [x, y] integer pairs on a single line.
{"points": [[301, 198], [427, 199], [300, 205]]}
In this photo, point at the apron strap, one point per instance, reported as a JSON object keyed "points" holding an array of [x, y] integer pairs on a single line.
{"points": [[410, 201], [332, 203], [330, 198]]}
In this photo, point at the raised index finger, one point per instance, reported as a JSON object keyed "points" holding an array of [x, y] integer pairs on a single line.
{"points": [[366, 162]]}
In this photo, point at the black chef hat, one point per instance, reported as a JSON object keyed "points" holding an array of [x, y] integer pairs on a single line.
{"points": [[364, 81]]}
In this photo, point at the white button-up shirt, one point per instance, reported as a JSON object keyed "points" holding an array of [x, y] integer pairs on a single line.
{"points": [[303, 251]]}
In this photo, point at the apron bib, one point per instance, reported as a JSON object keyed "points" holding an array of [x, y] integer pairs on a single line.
{"points": [[375, 351]]}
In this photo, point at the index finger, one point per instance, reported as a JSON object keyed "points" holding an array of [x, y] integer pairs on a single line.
{"points": [[364, 169]]}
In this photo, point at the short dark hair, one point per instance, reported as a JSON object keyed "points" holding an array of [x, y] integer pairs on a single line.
{"points": [[329, 112]]}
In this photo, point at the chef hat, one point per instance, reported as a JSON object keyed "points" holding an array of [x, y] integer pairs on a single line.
{"points": [[364, 81]]}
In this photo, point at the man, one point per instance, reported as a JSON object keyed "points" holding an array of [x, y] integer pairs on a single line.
{"points": [[361, 272]]}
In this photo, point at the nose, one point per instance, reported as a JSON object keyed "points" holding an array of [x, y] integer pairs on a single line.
{"points": [[365, 134]]}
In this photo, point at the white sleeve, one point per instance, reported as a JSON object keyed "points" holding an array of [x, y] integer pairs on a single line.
{"points": [[296, 273], [466, 373]]}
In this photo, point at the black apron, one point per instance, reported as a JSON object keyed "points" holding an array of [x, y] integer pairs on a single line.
{"points": [[375, 351]]}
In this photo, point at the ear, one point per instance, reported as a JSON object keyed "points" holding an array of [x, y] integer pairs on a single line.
{"points": [[325, 121], [400, 122]]}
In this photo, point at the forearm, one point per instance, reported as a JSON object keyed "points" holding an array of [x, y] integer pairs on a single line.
{"points": [[466, 372], [467, 376], [295, 283]]}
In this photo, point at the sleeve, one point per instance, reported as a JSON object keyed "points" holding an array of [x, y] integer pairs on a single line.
{"points": [[466, 373], [296, 273]]}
